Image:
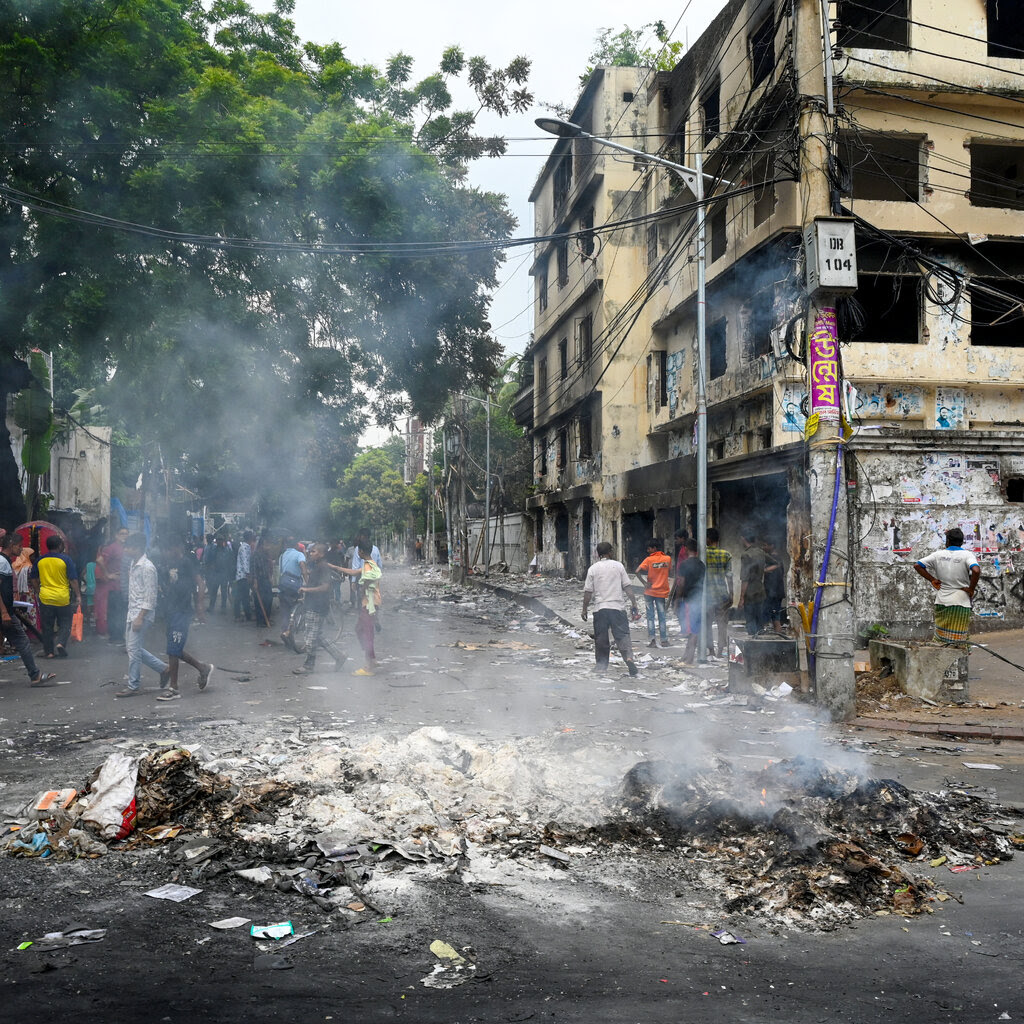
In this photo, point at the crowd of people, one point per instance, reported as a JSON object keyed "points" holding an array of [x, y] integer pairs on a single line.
{"points": [[677, 582], [123, 584]]}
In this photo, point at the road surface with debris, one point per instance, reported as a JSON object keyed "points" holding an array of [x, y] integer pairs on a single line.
{"points": [[488, 831]]}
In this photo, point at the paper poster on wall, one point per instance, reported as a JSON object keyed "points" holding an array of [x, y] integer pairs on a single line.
{"points": [[910, 491], [972, 535]]}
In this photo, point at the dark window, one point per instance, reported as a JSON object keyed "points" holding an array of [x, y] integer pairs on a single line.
{"points": [[563, 358], [1015, 488], [874, 24], [891, 308], [711, 113], [586, 438], [760, 321], [627, 97], [762, 176], [677, 150], [716, 349], [652, 244], [586, 239], [542, 380], [563, 264], [997, 319], [997, 176], [762, 50], [563, 179], [542, 289], [662, 379], [886, 167], [586, 338], [563, 449], [719, 237], [1005, 29], [542, 457]]}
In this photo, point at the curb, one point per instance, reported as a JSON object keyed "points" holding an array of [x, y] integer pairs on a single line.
{"points": [[995, 733], [533, 603]]}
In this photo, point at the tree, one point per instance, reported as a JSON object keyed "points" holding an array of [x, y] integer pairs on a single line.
{"points": [[627, 49], [188, 197], [372, 493]]}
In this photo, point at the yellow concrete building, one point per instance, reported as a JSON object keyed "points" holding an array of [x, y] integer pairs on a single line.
{"points": [[925, 130]]}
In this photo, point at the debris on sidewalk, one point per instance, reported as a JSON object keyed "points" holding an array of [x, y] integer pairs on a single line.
{"points": [[175, 893], [272, 931], [453, 969], [229, 922], [73, 935]]}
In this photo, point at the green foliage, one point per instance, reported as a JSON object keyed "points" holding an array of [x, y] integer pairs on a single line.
{"points": [[33, 413], [372, 493], [627, 49], [259, 364]]}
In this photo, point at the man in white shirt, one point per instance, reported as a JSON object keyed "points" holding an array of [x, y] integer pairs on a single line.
{"points": [[142, 591], [606, 588], [954, 574]]}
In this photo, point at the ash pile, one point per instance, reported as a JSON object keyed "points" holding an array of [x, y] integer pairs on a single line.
{"points": [[806, 845]]}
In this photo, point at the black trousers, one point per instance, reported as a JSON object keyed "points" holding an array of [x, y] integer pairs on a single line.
{"points": [[616, 622], [55, 618]]}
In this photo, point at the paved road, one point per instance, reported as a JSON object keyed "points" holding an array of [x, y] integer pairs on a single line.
{"points": [[584, 944]]}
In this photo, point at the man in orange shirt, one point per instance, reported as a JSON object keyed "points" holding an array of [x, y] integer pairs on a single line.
{"points": [[655, 567]]}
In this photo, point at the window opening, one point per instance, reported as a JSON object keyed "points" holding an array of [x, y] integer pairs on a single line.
{"points": [[994, 320], [719, 236], [563, 263], [997, 176], [1005, 29], [563, 358], [711, 113], [885, 167], [873, 24], [891, 308], [716, 349], [762, 51]]}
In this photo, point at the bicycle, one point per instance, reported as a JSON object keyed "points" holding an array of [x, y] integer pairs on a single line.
{"points": [[334, 623]]}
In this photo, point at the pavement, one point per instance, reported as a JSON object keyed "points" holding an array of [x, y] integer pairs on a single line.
{"points": [[623, 933], [994, 713]]}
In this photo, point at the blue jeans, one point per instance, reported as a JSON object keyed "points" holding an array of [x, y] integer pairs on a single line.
{"points": [[138, 655], [656, 605]]}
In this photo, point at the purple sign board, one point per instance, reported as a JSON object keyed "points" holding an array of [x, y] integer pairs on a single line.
{"points": [[825, 390]]}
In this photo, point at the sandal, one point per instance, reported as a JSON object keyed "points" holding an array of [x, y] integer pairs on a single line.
{"points": [[43, 679]]}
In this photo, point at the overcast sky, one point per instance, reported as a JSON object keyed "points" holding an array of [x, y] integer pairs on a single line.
{"points": [[556, 35]]}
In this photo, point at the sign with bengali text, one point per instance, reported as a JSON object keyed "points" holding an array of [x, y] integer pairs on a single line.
{"points": [[825, 383]]}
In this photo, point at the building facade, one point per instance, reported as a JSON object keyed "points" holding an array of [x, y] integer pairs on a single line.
{"points": [[925, 130]]}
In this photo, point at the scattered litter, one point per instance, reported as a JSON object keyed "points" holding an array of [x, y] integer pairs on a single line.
{"points": [[260, 875], [176, 893], [272, 931], [959, 869], [453, 970], [230, 922], [938, 862], [50, 801], [987, 767], [112, 797], [316, 687], [160, 833], [728, 938], [562, 858], [76, 935]]}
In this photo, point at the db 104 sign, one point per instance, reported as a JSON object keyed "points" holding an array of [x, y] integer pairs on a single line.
{"points": [[830, 248]]}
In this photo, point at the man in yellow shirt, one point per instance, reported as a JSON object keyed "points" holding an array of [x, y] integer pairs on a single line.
{"points": [[55, 579]]}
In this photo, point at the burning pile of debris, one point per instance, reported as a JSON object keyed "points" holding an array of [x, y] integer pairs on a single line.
{"points": [[798, 843], [802, 843]]}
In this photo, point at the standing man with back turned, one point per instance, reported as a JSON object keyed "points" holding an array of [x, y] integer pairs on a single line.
{"points": [[607, 587], [954, 574]]}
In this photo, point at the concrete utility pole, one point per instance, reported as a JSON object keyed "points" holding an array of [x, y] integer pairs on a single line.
{"points": [[832, 639]]}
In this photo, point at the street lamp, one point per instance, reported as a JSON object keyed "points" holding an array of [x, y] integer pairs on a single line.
{"points": [[693, 179]]}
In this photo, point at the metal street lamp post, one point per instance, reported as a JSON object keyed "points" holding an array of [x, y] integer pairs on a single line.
{"points": [[693, 178]]}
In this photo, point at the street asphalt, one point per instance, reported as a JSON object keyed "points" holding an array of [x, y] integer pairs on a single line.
{"points": [[615, 937]]}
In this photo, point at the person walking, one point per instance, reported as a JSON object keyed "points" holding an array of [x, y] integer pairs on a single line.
{"points": [[110, 609], [720, 596], [262, 585], [243, 579], [142, 595], [607, 588], [752, 581], [954, 573], [654, 570], [217, 561], [774, 584], [368, 622], [316, 595], [180, 588], [55, 583], [12, 626], [686, 598], [291, 578]]}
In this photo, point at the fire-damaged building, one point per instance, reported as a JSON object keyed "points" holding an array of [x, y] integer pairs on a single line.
{"points": [[926, 156]]}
